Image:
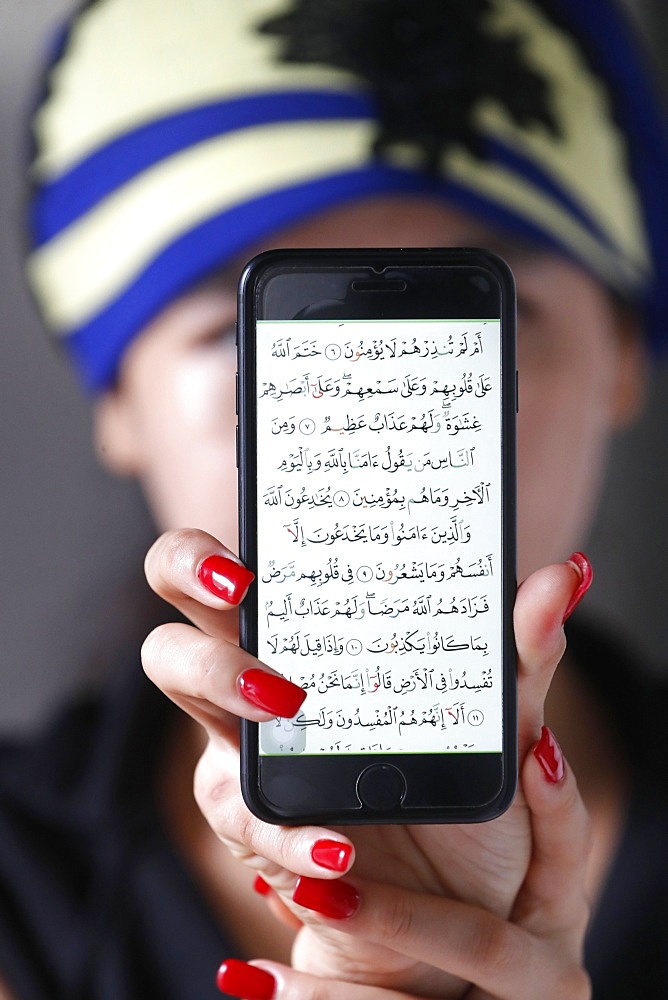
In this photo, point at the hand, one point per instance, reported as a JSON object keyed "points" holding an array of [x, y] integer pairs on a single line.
{"points": [[536, 953], [482, 865]]}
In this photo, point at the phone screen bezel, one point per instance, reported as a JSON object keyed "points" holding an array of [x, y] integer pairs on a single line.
{"points": [[449, 787]]}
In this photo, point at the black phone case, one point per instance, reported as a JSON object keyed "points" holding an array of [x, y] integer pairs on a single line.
{"points": [[377, 788]]}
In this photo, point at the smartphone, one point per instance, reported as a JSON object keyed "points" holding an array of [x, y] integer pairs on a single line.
{"points": [[377, 395]]}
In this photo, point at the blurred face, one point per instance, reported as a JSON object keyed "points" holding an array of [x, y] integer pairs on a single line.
{"points": [[171, 421]]}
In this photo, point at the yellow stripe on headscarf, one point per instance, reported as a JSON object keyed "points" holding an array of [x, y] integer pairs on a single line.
{"points": [[138, 220], [105, 90]]}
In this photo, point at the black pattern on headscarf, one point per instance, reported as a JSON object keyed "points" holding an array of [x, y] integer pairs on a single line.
{"points": [[427, 63]]}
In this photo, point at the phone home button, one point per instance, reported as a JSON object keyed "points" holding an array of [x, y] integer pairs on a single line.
{"points": [[381, 787]]}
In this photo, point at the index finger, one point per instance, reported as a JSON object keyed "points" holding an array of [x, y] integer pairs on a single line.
{"points": [[200, 577]]}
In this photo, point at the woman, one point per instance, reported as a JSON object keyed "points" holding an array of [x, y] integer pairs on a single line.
{"points": [[203, 133]]}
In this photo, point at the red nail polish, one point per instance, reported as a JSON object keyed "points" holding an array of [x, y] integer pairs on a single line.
{"points": [[332, 854], [548, 754], [261, 887], [582, 566], [225, 578], [338, 900], [239, 979], [271, 692]]}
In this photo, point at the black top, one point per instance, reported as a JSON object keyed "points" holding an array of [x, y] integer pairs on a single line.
{"points": [[94, 900], [627, 945], [96, 903]]}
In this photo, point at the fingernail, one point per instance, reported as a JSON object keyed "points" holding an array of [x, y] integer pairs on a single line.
{"points": [[225, 578], [271, 692], [582, 567], [548, 754], [332, 854], [338, 900], [261, 887], [239, 979]]}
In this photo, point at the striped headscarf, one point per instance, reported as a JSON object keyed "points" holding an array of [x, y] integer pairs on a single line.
{"points": [[174, 135]]}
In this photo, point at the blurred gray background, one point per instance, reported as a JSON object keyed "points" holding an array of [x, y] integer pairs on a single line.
{"points": [[70, 536]]}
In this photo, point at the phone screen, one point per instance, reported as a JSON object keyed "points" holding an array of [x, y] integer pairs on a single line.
{"points": [[379, 527], [379, 479]]}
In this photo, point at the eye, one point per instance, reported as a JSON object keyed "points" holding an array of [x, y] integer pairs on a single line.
{"points": [[216, 336], [223, 335], [227, 334], [527, 309], [531, 336]]}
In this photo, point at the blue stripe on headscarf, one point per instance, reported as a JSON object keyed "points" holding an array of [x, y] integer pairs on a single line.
{"points": [[213, 244], [59, 203], [98, 345]]}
